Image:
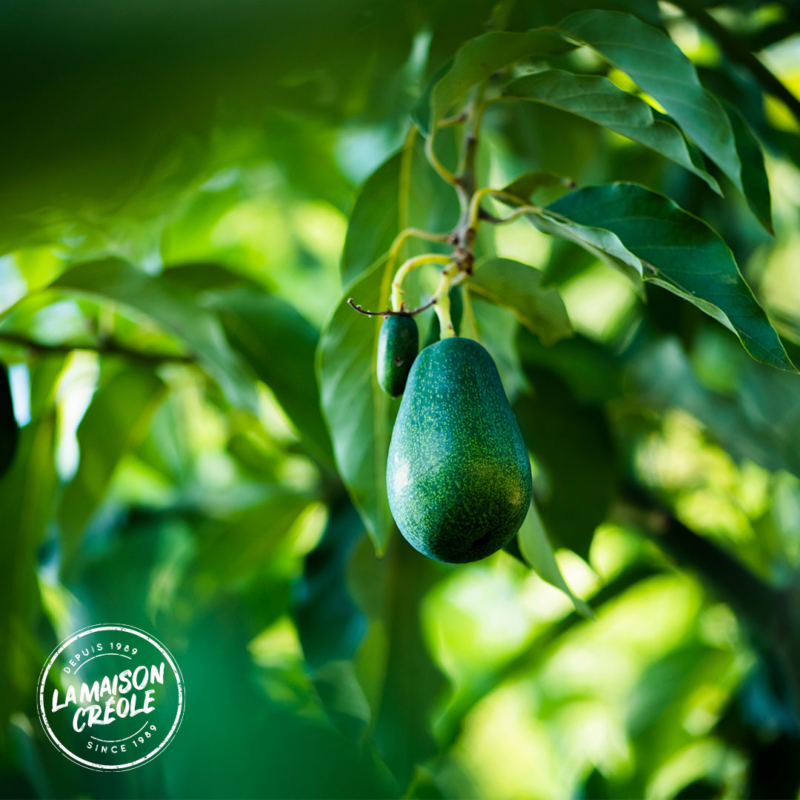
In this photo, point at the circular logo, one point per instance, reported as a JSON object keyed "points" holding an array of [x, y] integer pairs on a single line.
{"points": [[111, 697]]}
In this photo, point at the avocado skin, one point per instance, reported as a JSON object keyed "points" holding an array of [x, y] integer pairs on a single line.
{"points": [[458, 474], [398, 345]]}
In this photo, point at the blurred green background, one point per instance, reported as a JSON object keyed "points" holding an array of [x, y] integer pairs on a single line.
{"points": [[198, 161]]}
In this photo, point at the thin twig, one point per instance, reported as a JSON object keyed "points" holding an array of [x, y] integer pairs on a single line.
{"points": [[483, 214], [409, 265], [106, 347], [444, 173], [389, 312], [521, 211], [474, 210], [456, 119]]}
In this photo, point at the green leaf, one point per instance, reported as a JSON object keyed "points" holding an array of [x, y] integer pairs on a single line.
{"points": [[45, 374], [754, 173], [526, 185], [479, 58], [598, 100], [329, 623], [27, 491], [403, 192], [657, 701], [592, 372], [603, 244], [279, 345], [659, 67], [357, 411], [26, 497], [206, 277], [400, 680], [574, 451], [759, 423], [679, 252], [234, 548], [115, 423], [119, 281], [342, 697], [536, 550], [518, 287], [421, 112], [374, 221]]}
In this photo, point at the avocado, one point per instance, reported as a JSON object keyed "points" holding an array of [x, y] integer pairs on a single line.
{"points": [[398, 345], [9, 432], [456, 314], [458, 474]]}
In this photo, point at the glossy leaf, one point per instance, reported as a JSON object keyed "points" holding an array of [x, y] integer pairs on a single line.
{"points": [[114, 424], [403, 192], [374, 220], [598, 100], [536, 550], [421, 112], [119, 281], [357, 411], [754, 174], [518, 287], [205, 277], [601, 243], [659, 67], [678, 252], [279, 345], [478, 59]]}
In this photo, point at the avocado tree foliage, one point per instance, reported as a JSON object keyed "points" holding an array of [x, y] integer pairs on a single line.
{"points": [[646, 235], [194, 436]]}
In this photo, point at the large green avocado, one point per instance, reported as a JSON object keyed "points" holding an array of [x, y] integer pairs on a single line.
{"points": [[458, 475]]}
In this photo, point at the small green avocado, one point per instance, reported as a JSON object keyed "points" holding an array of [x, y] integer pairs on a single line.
{"points": [[458, 474], [398, 345]]}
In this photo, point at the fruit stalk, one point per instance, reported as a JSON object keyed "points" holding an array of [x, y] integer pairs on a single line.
{"points": [[459, 265], [442, 300], [474, 212], [406, 267]]}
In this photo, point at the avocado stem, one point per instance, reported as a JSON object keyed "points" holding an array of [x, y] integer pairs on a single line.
{"points": [[406, 267], [414, 233], [388, 313], [459, 266], [442, 300], [435, 163], [474, 214]]}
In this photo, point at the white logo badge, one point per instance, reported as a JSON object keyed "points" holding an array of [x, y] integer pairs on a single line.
{"points": [[111, 697]]}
